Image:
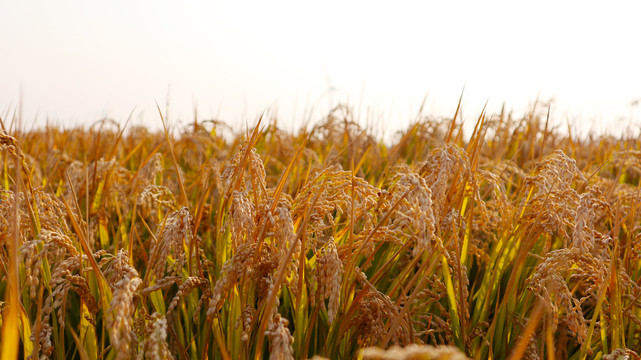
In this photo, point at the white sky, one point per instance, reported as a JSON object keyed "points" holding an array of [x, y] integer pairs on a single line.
{"points": [[79, 61]]}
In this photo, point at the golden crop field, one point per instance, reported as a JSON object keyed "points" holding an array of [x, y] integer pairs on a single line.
{"points": [[519, 240]]}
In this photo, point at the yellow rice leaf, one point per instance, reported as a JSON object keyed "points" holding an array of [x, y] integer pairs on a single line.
{"points": [[25, 327], [10, 335], [88, 334]]}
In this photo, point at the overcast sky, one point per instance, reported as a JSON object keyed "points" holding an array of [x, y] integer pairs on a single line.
{"points": [[79, 61]]}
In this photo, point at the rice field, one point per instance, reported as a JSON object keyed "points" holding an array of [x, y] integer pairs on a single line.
{"points": [[518, 240]]}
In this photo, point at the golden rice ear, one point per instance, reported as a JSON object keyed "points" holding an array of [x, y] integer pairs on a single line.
{"points": [[154, 341], [124, 281], [413, 351], [328, 274], [239, 266], [121, 332], [280, 339], [342, 195]]}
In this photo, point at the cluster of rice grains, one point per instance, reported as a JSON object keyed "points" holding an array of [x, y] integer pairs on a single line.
{"points": [[520, 242]]}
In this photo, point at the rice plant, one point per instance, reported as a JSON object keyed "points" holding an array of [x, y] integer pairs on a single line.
{"points": [[515, 241]]}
